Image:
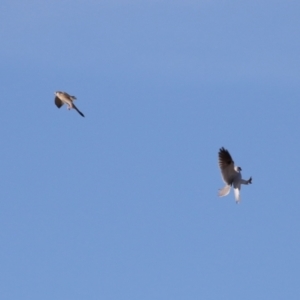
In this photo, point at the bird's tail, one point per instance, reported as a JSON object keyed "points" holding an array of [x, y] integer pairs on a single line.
{"points": [[77, 110], [224, 191], [237, 194]]}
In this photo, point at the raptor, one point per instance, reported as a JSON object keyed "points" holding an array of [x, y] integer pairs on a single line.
{"points": [[62, 98], [231, 175]]}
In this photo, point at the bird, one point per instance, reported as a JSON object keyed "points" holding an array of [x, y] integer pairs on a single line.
{"points": [[231, 175], [62, 98]]}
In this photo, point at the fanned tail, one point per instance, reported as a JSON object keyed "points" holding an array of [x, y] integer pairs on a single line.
{"points": [[224, 191]]}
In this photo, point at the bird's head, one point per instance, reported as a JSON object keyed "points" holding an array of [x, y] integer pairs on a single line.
{"points": [[238, 169]]}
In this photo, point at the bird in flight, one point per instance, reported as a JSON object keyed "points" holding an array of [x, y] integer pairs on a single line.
{"points": [[62, 98], [231, 175]]}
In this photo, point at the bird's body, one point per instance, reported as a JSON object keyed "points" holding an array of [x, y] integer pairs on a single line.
{"points": [[62, 98], [231, 175]]}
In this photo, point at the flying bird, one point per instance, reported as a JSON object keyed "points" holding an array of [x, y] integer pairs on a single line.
{"points": [[62, 98], [231, 175]]}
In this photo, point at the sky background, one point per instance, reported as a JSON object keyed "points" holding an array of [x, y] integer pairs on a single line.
{"points": [[122, 204]]}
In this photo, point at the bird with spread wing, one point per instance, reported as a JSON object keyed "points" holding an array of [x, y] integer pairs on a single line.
{"points": [[231, 175], [62, 98]]}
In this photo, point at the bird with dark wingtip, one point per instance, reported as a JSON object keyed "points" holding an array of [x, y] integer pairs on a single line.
{"points": [[231, 175], [62, 98]]}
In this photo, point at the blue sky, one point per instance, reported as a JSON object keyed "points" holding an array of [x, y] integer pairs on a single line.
{"points": [[122, 204]]}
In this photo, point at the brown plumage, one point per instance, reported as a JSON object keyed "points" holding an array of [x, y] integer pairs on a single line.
{"points": [[62, 98]]}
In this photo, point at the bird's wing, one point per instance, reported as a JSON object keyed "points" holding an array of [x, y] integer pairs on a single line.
{"points": [[58, 102], [66, 95], [226, 165]]}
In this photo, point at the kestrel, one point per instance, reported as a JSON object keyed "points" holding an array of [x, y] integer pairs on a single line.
{"points": [[62, 98]]}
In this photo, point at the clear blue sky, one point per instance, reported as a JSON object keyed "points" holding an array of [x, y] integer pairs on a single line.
{"points": [[122, 204]]}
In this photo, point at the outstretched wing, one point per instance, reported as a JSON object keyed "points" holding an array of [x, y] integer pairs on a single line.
{"points": [[68, 96], [226, 165], [65, 96], [58, 102]]}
